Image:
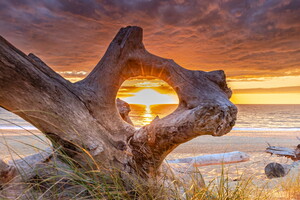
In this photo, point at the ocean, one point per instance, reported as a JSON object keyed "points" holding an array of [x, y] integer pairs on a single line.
{"points": [[250, 117]]}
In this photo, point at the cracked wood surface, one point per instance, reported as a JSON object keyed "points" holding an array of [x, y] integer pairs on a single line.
{"points": [[84, 115]]}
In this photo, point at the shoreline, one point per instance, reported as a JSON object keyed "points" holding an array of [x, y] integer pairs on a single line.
{"points": [[253, 143], [246, 141]]}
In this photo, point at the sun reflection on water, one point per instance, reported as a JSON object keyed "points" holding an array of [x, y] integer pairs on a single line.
{"points": [[148, 117], [149, 100], [142, 115]]}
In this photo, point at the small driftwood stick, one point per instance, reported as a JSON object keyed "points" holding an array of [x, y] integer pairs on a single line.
{"points": [[281, 151], [214, 159], [293, 154]]}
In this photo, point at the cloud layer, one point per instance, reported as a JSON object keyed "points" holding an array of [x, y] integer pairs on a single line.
{"points": [[245, 38]]}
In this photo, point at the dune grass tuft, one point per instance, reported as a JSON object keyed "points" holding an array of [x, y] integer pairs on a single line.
{"points": [[63, 178]]}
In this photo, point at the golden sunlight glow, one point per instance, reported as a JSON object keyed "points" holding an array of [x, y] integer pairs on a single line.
{"points": [[274, 96], [265, 90], [291, 98], [150, 97], [265, 82]]}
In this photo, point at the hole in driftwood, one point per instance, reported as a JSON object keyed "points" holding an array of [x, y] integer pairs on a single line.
{"points": [[148, 98]]}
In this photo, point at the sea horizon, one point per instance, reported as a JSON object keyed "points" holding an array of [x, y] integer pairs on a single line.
{"points": [[251, 117]]}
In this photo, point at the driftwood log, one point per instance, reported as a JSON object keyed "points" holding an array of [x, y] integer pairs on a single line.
{"points": [[82, 118], [293, 154], [214, 159], [276, 170], [18, 178]]}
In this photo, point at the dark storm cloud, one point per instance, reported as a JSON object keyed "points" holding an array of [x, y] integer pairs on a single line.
{"points": [[245, 38]]}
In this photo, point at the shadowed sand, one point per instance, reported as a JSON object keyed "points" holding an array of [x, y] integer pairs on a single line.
{"points": [[253, 143]]}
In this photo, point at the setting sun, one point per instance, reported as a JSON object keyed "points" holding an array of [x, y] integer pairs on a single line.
{"points": [[150, 97], [127, 99]]}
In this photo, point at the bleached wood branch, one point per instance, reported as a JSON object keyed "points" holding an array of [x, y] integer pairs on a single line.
{"points": [[214, 159], [83, 117]]}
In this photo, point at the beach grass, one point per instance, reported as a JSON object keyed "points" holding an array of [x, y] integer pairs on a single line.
{"points": [[73, 182]]}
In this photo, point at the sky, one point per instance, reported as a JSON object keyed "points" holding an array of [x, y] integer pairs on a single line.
{"points": [[256, 43]]}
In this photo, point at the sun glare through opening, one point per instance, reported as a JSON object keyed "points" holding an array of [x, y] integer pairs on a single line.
{"points": [[148, 98]]}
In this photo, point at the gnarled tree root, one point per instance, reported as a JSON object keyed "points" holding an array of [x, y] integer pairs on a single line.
{"points": [[83, 118]]}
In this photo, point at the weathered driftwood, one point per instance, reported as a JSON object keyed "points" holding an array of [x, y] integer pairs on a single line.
{"points": [[293, 154], [281, 151], [124, 109], [214, 159], [82, 118], [7, 172], [18, 182], [24, 167], [275, 170]]}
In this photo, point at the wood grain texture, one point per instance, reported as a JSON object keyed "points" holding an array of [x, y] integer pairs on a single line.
{"points": [[84, 115]]}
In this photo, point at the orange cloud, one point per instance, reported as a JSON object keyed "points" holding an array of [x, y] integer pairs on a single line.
{"points": [[244, 38]]}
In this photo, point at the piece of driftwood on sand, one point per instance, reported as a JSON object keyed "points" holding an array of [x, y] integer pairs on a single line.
{"points": [[82, 118], [276, 170], [214, 159]]}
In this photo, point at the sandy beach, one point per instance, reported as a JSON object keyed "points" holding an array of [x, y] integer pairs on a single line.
{"points": [[252, 143], [20, 143], [24, 143]]}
